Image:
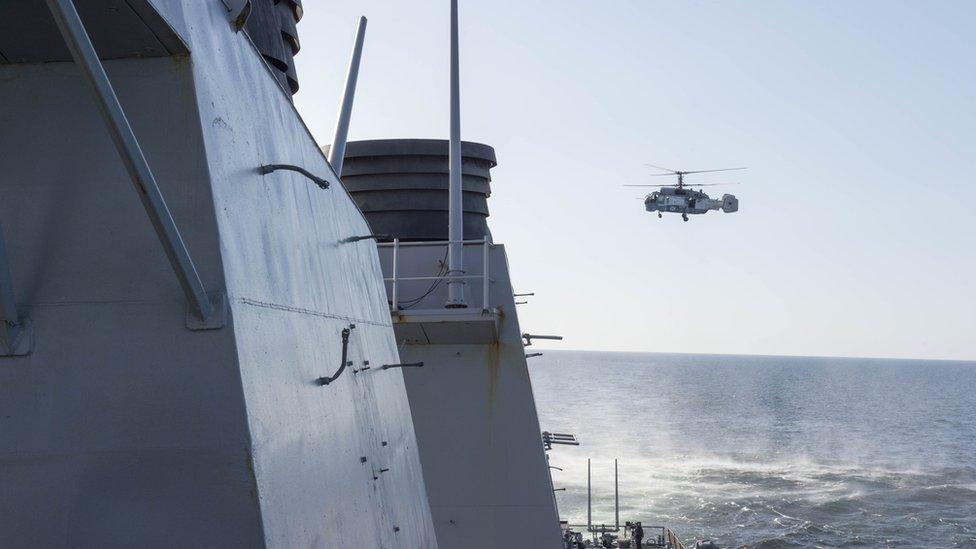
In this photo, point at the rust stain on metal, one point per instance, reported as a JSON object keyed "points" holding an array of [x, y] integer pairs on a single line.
{"points": [[494, 366]]}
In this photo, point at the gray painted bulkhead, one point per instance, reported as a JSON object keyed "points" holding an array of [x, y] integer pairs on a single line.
{"points": [[123, 427], [121, 29], [475, 416]]}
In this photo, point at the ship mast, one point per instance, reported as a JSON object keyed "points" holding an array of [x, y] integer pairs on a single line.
{"points": [[455, 225], [338, 149]]}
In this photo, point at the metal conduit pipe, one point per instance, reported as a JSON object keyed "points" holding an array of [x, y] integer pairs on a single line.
{"points": [[325, 380], [271, 168]]}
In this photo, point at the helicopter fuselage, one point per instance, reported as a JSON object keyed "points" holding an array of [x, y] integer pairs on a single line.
{"points": [[687, 201]]}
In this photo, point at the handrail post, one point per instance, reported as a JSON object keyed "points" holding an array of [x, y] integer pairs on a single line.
{"points": [[484, 299], [396, 249], [84, 54]]}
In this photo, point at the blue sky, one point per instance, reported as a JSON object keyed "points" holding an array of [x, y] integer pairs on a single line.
{"points": [[855, 235]]}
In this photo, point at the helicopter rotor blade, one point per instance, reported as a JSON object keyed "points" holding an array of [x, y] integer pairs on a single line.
{"points": [[689, 185], [719, 170], [672, 172]]}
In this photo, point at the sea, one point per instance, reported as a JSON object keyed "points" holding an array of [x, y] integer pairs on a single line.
{"points": [[766, 451]]}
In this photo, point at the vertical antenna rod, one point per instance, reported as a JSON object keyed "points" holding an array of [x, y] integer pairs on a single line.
{"points": [[455, 227], [85, 56], [616, 497], [589, 504], [338, 149]]}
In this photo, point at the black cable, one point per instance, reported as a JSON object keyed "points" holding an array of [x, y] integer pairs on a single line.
{"points": [[407, 365], [415, 302], [268, 168], [342, 367], [434, 285]]}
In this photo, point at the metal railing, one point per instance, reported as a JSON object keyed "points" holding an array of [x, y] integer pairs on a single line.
{"points": [[396, 279], [672, 539], [667, 539]]}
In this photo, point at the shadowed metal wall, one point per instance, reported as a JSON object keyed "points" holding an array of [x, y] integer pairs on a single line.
{"points": [[472, 403], [123, 427], [476, 421]]}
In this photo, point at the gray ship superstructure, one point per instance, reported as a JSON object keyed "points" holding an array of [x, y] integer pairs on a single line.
{"points": [[472, 403], [201, 344], [133, 412]]}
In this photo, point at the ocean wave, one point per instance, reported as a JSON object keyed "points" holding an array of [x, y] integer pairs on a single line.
{"points": [[775, 452], [788, 503]]}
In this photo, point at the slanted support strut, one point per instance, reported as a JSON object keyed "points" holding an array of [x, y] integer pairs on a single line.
{"points": [[84, 54]]}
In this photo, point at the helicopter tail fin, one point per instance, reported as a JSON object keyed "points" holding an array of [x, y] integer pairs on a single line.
{"points": [[730, 203]]}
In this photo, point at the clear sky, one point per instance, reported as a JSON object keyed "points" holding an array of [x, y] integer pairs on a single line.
{"points": [[856, 233]]}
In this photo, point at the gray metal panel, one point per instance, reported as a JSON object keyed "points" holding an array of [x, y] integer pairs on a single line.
{"points": [[130, 152], [123, 428], [119, 29], [121, 423], [293, 286], [476, 421]]}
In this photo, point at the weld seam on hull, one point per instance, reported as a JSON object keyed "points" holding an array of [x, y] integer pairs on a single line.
{"points": [[310, 312]]}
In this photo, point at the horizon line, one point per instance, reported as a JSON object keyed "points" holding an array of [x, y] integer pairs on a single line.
{"points": [[971, 360]]}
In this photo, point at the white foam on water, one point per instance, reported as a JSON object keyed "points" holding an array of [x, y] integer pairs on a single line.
{"points": [[771, 460]]}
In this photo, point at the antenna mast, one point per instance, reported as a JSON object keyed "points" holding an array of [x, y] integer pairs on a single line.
{"points": [[455, 227], [338, 149], [589, 504], [616, 497]]}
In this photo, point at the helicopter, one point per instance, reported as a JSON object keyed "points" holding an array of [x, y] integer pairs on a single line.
{"points": [[679, 198]]}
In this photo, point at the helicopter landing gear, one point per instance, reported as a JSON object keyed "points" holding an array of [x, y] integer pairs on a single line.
{"points": [[684, 217]]}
